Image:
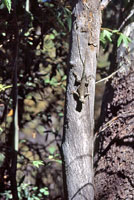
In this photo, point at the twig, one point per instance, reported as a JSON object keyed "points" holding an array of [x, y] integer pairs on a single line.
{"points": [[104, 3], [108, 77], [110, 122], [121, 115], [126, 19]]}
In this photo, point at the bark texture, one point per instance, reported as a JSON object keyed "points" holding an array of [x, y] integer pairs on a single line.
{"points": [[79, 117], [114, 158]]}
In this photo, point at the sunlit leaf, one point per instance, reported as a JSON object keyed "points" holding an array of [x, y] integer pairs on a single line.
{"points": [[44, 191], [52, 36], [37, 163], [7, 4], [64, 77], [123, 39], [2, 158], [53, 158], [1, 129], [107, 34], [61, 114], [120, 39], [52, 150], [4, 87], [35, 188]]}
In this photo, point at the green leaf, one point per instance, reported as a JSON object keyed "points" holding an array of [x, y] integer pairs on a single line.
{"points": [[107, 34], [52, 158], [53, 82], [4, 87], [60, 21], [1, 129], [58, 161], [39, 195], [37, 163], [64, 78], [47, 80], [61, 114], [52, 36], [69, 23], [119, 41], [44, 191], [49, 4], [123, 39], [35, 188], [35, 198], [51, 150], [2, 158], [8, 4]]}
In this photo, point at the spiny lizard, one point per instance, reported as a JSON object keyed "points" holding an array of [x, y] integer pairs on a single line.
{"points": [[81, 91]]}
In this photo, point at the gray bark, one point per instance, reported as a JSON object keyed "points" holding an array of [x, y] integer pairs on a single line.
{"points": [[79, 117]]}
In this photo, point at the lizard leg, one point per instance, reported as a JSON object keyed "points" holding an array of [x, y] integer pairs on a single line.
{"points": [[75, 92], [78, 80], [87, 94]]}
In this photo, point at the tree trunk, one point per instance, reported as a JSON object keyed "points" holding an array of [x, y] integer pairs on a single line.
{"points": [[114, 160], [79, 109]]}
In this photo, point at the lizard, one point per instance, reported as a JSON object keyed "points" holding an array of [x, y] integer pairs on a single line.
{"points": [[81, 91]]}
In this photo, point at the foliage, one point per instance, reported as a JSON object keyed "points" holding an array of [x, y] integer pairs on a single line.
{"points": [[27, 191], [42, 57], [55, 158], [106, 35], [123, 39], [3, 87], [2, 157], [7, 4], [37, 163]]}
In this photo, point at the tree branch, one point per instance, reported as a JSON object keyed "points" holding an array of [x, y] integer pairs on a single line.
{"points": [[126, 19], [104, 4]]}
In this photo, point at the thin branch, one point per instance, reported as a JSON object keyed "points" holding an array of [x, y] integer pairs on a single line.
{"points": [[126, 19], [121, 115], [108, 77], [104, 4]]}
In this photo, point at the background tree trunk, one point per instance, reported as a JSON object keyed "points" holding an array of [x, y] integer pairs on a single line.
{"points": [[79, 116], [114, 160]]}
